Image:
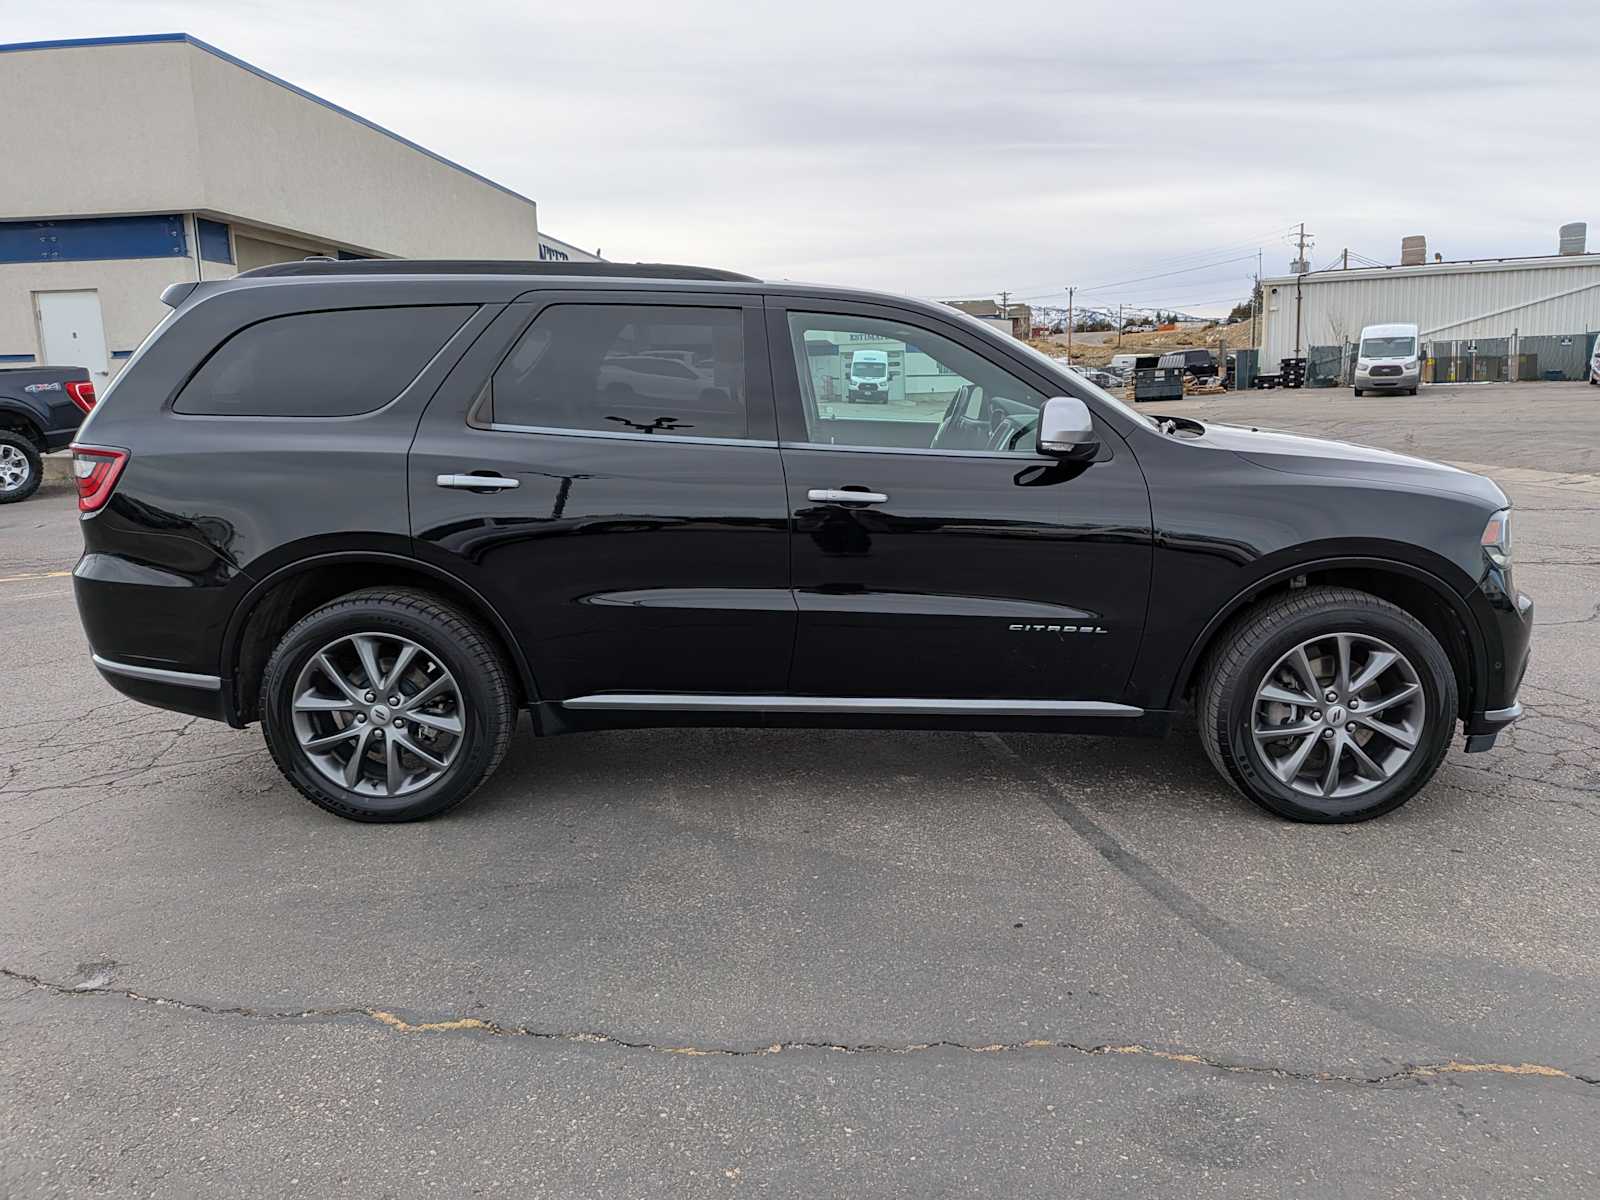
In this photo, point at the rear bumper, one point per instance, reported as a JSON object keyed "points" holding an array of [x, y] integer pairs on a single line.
{"points": [[181, 691]]}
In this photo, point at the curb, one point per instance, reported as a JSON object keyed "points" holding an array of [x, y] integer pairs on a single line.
{"points": [[58, 467]]}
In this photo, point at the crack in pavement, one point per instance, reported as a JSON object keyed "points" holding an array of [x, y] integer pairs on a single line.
{"points": [[385, 1018]]}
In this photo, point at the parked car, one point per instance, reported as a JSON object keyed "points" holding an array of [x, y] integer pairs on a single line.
{"points": [[1388, 359], [1122, 364], [1197, 364], [382, 507], [869, 377], [40, 411]]}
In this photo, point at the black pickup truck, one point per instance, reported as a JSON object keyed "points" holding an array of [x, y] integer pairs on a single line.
{"points": [[40, 411]]}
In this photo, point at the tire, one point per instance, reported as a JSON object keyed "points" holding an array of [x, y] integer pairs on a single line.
{"points": [[21, 467], [454, 660], [1357, 392], [1412, 392], [1248, 656]]}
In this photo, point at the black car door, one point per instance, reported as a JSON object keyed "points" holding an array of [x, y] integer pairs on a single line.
{"points": [[602, 467], [935, 554]]}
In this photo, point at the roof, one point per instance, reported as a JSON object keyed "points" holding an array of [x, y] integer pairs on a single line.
{"points": [[154, 38], [1453, 267]]}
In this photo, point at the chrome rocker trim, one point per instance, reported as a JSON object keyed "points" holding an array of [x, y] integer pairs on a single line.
{"points": [[882, 705], [208, 683]]}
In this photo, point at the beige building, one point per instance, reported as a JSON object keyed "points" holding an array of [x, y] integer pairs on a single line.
{"points": [[136, 162]]}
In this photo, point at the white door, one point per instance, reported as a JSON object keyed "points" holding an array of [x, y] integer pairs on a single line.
{"points": [[72, 333]]}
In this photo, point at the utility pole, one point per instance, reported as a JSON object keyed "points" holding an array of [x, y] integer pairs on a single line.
{"points": [[1070, 291], [1346, 258], [1299, 289], [1256, 300], [1119, 327]]}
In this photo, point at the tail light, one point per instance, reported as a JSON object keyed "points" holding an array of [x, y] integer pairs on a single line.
{"points": [[96, 468], [82, 393]]}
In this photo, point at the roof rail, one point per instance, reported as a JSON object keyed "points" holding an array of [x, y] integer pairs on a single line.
{"points": [[474, 266]]}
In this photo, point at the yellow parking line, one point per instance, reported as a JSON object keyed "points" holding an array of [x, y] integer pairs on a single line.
{"points": [[36, 575]]}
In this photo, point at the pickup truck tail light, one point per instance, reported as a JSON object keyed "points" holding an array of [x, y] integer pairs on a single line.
{"points": [[82, 393], [96, 469]]}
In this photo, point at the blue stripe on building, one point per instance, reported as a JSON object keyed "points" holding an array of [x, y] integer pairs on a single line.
{"points": [[92, 239]]}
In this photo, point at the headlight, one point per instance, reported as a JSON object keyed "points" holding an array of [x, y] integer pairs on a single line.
{"points": [[1496, 539]]}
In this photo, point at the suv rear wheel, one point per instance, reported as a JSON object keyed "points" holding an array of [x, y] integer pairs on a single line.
{"points": [[21, 468], [387, 706], [1328, 704]]}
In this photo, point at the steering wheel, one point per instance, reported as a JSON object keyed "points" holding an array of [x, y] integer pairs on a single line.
{"points": [[957, 402], [1006, 432]]}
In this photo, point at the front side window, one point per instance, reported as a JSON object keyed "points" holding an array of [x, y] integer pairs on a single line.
{"points": [[320, 364], [627, 368], [1388, 347], [865, 381]]}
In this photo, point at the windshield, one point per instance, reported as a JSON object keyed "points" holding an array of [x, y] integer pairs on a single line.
{"points": [[1388, 347], [869, 370]]}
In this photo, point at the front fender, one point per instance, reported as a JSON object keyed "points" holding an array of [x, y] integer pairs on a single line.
{"points": [[1279, 574]]}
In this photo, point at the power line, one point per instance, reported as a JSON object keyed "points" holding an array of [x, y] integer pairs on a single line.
{"points": [[1183, 261]]}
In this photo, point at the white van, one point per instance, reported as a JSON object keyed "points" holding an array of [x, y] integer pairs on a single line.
{"points": [[1121, 364], [1389, 359], [869, 376], [1594, 365]]}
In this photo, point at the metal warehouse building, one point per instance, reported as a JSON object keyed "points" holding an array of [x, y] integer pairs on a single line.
{"points": [[1511, 318], [136, 162]]}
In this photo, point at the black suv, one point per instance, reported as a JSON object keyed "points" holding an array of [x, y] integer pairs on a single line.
{"points": [[382, 507]]}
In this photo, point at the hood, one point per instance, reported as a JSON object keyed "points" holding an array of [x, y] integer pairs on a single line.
{"points": [[1298, 455]]}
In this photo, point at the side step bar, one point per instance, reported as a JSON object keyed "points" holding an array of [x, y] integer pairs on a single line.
{"points": [[881, 705]]}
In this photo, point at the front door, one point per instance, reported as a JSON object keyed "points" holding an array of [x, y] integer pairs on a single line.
{"points": [[935, 554], [631, 525]]}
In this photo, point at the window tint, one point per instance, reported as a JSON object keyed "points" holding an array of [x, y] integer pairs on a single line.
{"points": [[324, 364], [628, 368], [938, 395]]}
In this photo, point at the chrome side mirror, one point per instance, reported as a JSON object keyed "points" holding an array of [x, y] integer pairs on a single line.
{"points": [[1066, 430]]}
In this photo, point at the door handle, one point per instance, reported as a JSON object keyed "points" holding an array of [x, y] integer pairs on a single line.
{"points": [[487, 483], [845, 496]]}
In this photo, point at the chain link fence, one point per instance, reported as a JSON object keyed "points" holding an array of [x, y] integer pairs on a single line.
{"points": [[1549, 357]]}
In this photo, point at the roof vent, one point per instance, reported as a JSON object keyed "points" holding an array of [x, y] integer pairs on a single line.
{"points": [[1413, 251], [1573, 237]]}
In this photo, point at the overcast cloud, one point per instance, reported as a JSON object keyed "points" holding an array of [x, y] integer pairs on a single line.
{"points": [[947, 149]]}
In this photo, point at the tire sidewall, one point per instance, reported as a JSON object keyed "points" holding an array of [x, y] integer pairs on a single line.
{"points": [[317, 631], [35, 461], [1439, 690]]}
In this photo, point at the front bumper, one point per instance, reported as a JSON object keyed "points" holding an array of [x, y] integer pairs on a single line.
{"points": [[1405, 381], [1508, 631]]}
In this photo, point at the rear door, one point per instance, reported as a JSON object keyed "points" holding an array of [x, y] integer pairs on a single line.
{"points": [[970, 567], [632, 525]]}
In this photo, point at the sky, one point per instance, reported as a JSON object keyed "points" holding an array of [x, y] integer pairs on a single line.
{"points": [[1142, 152]]}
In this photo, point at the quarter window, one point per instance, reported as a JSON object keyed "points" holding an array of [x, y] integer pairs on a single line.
{"points": [[627, 368], [321, 364], [871, 382]]}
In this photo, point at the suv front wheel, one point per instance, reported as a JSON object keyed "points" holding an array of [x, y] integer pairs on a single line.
{"points": [[387, 705], [1328, 705]]}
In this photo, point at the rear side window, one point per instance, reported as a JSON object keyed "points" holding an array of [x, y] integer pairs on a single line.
{"points": [[322, 364], [627, 368]]}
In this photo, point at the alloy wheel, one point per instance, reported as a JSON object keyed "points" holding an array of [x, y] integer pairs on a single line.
{"points": [[15, 469], [1338, 715], [378, 714]]}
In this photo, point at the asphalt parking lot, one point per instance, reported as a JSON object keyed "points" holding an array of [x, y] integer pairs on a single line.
{"points": [[799, 963]]}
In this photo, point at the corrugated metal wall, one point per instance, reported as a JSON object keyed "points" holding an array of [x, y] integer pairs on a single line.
{"points": [[1547, 297]]}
